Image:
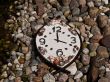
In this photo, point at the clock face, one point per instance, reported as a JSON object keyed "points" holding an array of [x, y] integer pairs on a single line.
{"points": [[58, 43]]}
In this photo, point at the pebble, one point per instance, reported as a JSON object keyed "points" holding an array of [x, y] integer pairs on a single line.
{"points": [[28, 56], [25, 49], [4, 74], [37, 79], [18, 79], [75, 11], [90, 4], [93, 12], [102, 21], [66, 2], [31, 19], [102, 51], [63, 78], [48, 78], [72, 68], [106, 1], [34, 68], [93, 46], [28, 70], [74, 4], [105, 41], [82, 2], [85, 59], [70, 80], [89, 21], [85, 51], [106, 30], [78, 75]]}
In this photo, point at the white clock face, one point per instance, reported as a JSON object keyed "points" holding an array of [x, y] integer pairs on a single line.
{"points": [[58, 43]]}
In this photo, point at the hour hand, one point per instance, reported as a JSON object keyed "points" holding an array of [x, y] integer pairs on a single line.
{"points": [[60, 41]]}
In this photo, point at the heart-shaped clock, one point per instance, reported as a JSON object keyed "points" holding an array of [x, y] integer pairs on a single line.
{"points": [[58, 43]]}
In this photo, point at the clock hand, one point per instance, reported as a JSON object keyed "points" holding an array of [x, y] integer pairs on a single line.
{"points": [[60, 41], [57, 36]]}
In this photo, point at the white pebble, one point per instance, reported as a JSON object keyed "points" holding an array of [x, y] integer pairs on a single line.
{"points": [[31, 19], [16, 61], [72, 68], [4, 74], [80, 19], [13, 53], [107, 69], [21, 65], [34, 68], [20, 35], [90, 4], [48, 78], [78, 75], [9, 64], [85, 50], [105, 1], [11, 77], [28, 56]]}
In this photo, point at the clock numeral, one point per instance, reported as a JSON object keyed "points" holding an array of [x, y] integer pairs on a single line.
{"points": [[73, 40], [59, 52], [42, 41], [57, 29]]}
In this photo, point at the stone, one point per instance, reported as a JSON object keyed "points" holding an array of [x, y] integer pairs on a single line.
{"points": [[85, 59], [28, 70], [63, 78], [72, 68], [89, 21], [18, 79], [103, 79], [85, 69], [74, 4], [34, 68], [37, 79], [93, 46], [108, 13], [106, 41], [102, 21], [40, 10], [28, 56], [96, 38], [66, 2], [25, 49], [95, 30], [21, 60], [93, 12], [48, 78], [102, 51], [105, 1], [82, 2], [75, 11], [4, 74], [90, 4], [106, 30], [78, 75], [32, 18], [92, 53], [83, 9], [85, 51]]}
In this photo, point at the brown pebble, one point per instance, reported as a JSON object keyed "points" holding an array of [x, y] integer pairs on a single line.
{"points": [[106, 41], [37, 79]]}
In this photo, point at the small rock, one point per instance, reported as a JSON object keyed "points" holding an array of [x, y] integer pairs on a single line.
{"points": [[74, 4], [10, 21], [93, 12], [106, 30], [85, 51], [83, 9], [25, 49], [103, 79], [5, 80], [95, 30], [85, 69], [75, 11], [93, 53], [102, 51], [48, 78], [28, 70], [89, 22], [21, 60], [66, 2], [4, 74], [96, 38], [40, 10], [105, 1], [70, 80], [108, 13], [63, 78], [72, 68], [82, 2], [93, 46], [106, 41], [31, 19], [102, 20], [90, 4], [28, 56], [78, 75], [37, 79], [85, 59], [18, 79], [34, 68]]}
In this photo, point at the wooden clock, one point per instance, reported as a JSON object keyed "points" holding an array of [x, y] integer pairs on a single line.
{"points": [[58, 43]]}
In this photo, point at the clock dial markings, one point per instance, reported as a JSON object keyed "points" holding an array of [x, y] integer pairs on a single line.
{"points": [[42, 41], [46, 45], [51, 48]]}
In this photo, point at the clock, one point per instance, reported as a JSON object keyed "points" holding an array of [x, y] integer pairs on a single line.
{"points": [[58, 43]]}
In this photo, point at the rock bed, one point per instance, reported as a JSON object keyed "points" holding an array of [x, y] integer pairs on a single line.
{"points": [[91, 18]]}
